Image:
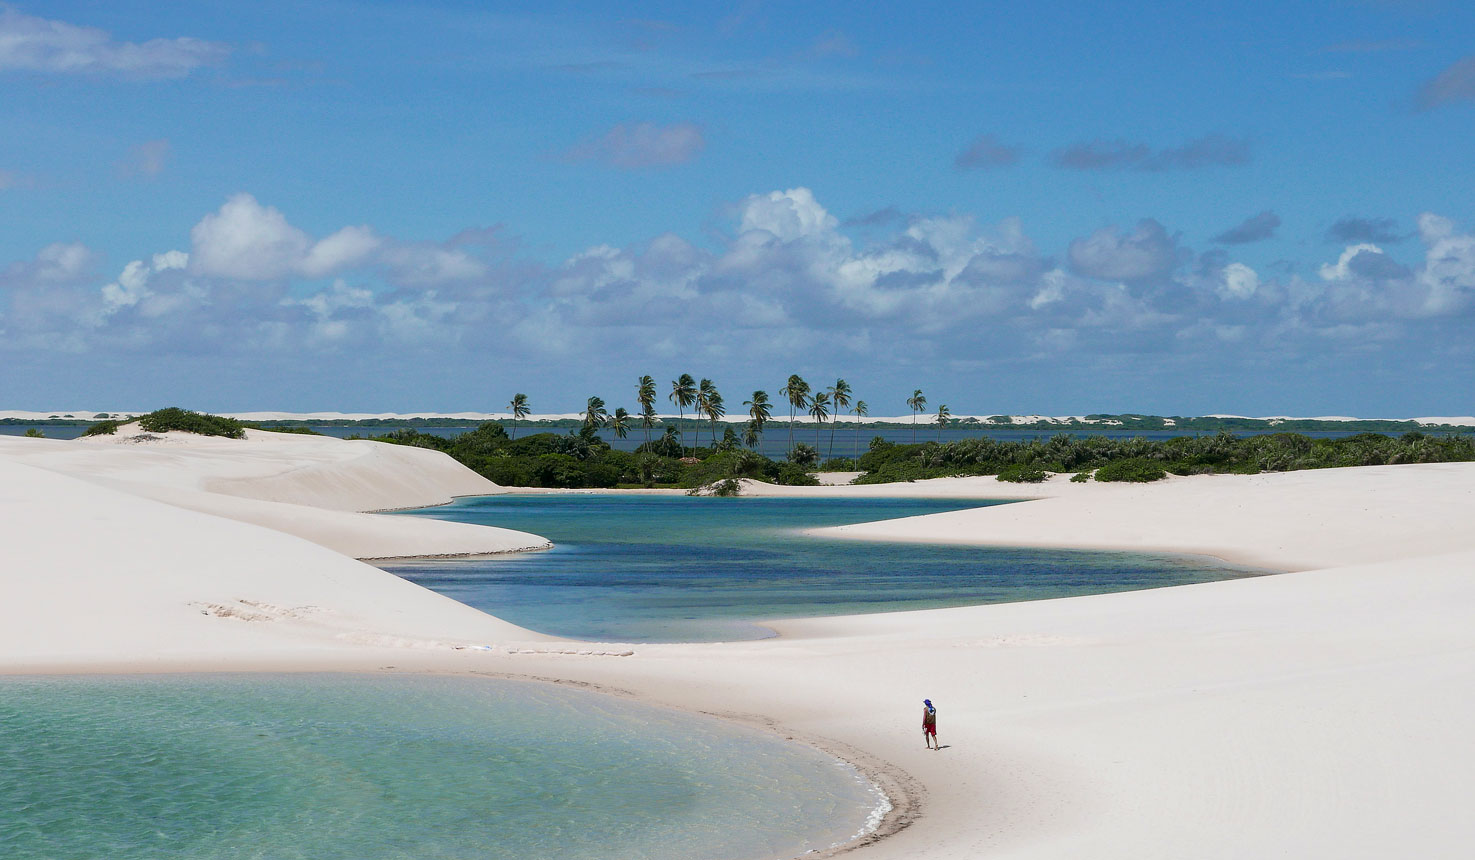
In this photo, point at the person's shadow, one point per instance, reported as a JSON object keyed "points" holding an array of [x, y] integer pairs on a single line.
{"points": [[941, 747]]}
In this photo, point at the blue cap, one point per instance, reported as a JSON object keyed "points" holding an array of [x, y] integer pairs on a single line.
{"points": [[926, 701]]}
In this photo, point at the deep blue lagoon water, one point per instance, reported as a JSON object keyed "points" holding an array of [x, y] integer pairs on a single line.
{"points": [[345, 767], [636, 568]]}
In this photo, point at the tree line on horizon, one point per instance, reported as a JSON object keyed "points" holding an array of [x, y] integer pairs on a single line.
{"points": [[707, 402]]}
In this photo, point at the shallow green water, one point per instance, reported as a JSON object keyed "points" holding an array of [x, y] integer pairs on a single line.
{"points": [[365, 767], [635, 568]]}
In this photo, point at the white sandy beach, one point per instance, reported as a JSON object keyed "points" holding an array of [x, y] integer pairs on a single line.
{"points": [[1317, 713]]}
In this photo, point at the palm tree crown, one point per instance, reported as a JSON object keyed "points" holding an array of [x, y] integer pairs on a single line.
{"points": [[943, 416], [595, 414], [705, 390], [620, 422], [861, 410]]}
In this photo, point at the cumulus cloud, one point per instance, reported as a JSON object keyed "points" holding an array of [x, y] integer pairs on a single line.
{"points": [[1382, 231], [1212, 150], [986, 151], [633, 146], [1455, 84], [1252, 229], [247, 241], [132, 285], [33, 44], [1147, 253], [146, 160], [787, 215]]}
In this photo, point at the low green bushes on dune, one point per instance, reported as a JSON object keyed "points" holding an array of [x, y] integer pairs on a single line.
{"points": [[1149, 460]]}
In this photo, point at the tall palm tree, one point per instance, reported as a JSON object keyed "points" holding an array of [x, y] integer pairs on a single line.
{"points": [[683, 394], [519, 406], [861, 410], [620, 422], [645, 395], [705, 390], [918, 402], [943, 415], [819, 409], [840, 396], [715, 411], [595, 415], [797, 391]]}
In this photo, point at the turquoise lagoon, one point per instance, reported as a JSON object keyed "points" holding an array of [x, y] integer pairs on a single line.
{"points": [[384, 766], [643, 568]]}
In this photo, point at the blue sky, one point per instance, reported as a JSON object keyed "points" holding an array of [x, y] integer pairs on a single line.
{"points": [[1155, 207]]}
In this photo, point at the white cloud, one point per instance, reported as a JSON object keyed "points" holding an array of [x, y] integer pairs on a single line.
{"points": [[132, 285], [788, 215], [29, 43], [1341, 270], [348, 247], [1240, 281], [247, 241], [1147, 253]]}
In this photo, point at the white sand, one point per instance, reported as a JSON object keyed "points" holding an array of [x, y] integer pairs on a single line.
{"points": [[1323, 713], [309, 486]]}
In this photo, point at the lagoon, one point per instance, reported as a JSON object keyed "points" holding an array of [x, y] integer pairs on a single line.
{"points": [[648, 568], [370, 767]]}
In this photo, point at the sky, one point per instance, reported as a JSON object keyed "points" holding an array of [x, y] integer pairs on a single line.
{"points": [[1053, 208]]}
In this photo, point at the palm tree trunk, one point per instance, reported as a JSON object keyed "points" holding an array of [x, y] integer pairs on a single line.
{"points": [[833, 419], [791, 428]]}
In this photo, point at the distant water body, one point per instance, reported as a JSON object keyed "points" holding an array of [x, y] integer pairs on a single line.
{"points": [[638, 568], [334, 767]]}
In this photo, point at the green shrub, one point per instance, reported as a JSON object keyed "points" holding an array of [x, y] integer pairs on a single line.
{"points": [[174, 418], [305, 431], [103, 428], [1020, 473], [804, 455], [1080, 477], [33, 433], [1136, 470]]}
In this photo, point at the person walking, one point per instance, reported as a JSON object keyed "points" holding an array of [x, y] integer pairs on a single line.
{"points": [[929, 725]]}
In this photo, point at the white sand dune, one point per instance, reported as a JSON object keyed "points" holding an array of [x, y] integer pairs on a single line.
{"points": [[1323, 713], [311, 486]]}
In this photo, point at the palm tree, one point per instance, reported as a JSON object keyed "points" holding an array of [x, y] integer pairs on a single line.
{"points": [[645, 395], [840, 396], [715, 411], [797, 391], [861, 410], [918, 402], [752, 434], [620, 422], [759, 411], [519, 406], [819, 409], [943, 414], [705, 390], [683, 394], [595, 414]]}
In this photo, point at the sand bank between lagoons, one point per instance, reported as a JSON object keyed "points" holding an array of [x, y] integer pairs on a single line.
{"points": [[1318, 713]]}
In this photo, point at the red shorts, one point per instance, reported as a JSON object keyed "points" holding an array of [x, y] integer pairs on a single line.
{"points": [[929, 729]]}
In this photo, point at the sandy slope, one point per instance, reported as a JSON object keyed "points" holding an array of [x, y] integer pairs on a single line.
{"points": [[1311, 714], [309, 486]]}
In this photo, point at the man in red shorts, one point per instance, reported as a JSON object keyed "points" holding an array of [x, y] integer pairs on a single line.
{"points": [[929, 725]]}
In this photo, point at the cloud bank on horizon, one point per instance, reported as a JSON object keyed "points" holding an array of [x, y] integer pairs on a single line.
{"points": [[1008, 265]]}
